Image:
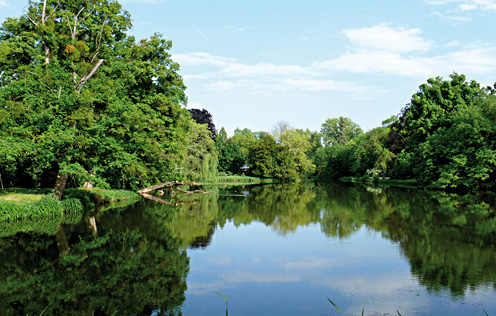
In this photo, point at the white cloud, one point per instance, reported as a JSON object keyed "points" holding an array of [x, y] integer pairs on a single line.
{"points": [[478, 4], [441, 2], [452, 44], [477, 61], [452, 18], [379, 62], [394, 50], [225, 85], [310, 263], [230, 67], [200, 58], [383, 37], [264, 69], [235, 28], [229, 75], [193, 77], [468, 5], [322, 85], [3, 3]]}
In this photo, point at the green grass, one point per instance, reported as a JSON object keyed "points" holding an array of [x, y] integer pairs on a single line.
{"points": [[96, 196], [46, 206], [21, 204], [18, 195]]}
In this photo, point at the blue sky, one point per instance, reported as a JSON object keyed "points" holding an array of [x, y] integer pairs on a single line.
{"points": [[254, 63]]}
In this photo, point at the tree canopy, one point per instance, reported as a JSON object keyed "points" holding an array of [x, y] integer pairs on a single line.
{"points": [[92, 102]]}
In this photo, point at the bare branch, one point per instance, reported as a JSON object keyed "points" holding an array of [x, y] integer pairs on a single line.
{"points": [[31, 19], [53, 11], [98, 42], [87, 77], [87, 15], [74, 32], [74, 79], [76, 23], [43, 13], [39, 79], [77, 15]]}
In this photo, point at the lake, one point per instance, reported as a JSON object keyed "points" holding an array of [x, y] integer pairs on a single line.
{"points": [[280, 249]]}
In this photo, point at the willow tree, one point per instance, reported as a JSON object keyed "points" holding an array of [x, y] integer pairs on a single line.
{"points": [[94, 103]]}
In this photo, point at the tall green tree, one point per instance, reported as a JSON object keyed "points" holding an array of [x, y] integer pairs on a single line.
{"points": [[201, 160], [445, 137], [94, 103], [231, 159], [339, 131]]}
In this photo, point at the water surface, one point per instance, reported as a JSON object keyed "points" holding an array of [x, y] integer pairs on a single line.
{"points": [[270, 249]]}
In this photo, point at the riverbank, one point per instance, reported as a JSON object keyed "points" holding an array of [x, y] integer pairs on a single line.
{"points": [[20, 204], [409, 183], [241, 180]]}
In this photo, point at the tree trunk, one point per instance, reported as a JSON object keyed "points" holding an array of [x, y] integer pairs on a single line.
{"points": [[60, 184], [91, 224], [62, 242]]}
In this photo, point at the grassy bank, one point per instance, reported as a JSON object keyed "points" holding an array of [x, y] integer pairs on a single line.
{"points": [[410, 183], [20, 204], [23, 206]]}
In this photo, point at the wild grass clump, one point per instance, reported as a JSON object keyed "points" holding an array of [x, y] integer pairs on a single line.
{"points": [[71, 206], [41, 225], [20, 204], [47, 205]]}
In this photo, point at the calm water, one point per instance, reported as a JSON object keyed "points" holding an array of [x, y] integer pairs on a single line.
{"points": [[271, 250]]}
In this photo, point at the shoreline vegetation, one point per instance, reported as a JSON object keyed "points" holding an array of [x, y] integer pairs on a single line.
{"points": [[398, 183], [19, 204], [60, 129], [26, 204]]}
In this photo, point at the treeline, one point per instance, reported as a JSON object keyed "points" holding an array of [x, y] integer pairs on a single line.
{"points": [[82, 102], [445, 138]]}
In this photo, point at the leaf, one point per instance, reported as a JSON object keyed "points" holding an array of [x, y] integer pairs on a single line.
{"points": [[335, 306], [226, 302]]}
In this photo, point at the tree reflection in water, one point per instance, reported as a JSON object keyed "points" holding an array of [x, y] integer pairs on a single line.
{"points": [[133, 267], [133, 261], [449, 240]]}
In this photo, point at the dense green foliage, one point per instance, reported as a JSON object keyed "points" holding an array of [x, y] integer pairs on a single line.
{"points": [[201, 160], [284, 154], [83, 102], [446, 136], [80, 97], [445, 139]]}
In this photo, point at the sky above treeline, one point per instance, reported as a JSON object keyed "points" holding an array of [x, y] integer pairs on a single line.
{"points": [[254, 63]]}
